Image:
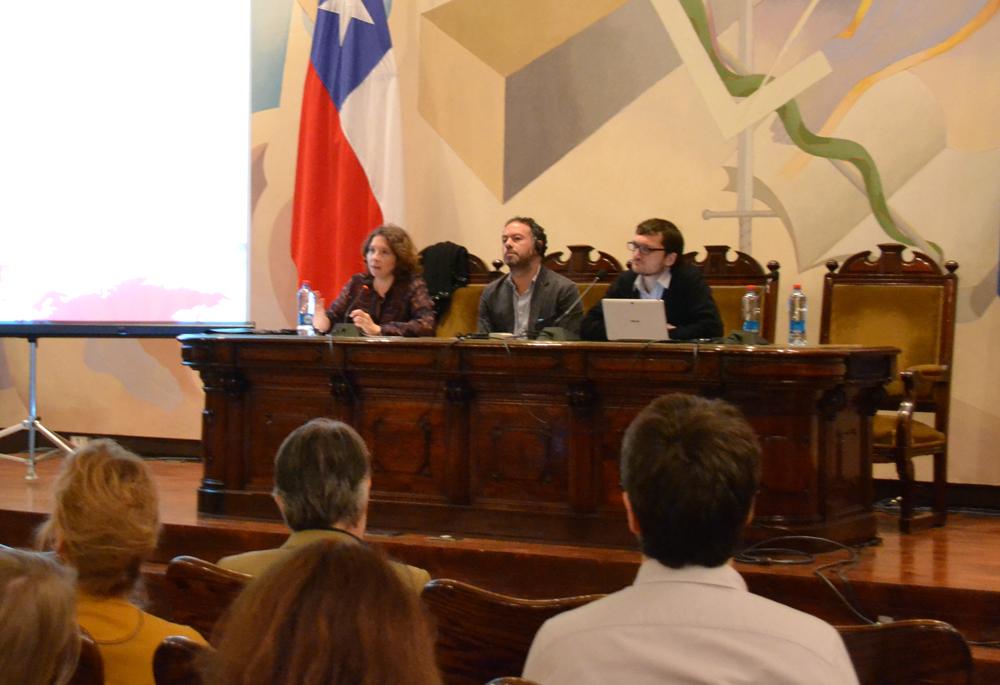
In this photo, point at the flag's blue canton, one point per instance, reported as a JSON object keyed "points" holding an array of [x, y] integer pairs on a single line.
{"points": [[342, 69]]}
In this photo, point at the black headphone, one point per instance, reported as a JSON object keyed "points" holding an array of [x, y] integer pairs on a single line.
{"points": [[541, 240]]}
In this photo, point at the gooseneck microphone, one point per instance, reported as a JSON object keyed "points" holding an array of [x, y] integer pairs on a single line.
{"points": [[353, 301], [343, 329], [552, 331]]}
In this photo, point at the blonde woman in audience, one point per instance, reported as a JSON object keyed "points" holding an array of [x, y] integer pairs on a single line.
{"points": [[104, 524], [327, 614], [39, 639]]}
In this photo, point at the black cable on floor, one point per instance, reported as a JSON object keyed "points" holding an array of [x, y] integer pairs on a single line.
{"points": [[765, 553]]}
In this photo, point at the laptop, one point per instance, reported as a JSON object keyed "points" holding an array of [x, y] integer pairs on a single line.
{"points": [[635, 319]]}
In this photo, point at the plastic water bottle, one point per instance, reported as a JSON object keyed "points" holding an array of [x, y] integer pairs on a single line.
{"points": [[750, 308], [307, 307], [797, 316]]}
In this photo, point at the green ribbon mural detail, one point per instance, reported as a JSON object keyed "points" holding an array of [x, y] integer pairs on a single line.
{"points": [[791, 117]]}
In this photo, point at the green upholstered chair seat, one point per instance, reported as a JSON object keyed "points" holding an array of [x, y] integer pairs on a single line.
{"points": [[463, 312], [924, 437], [594, 296], [728, 300]]}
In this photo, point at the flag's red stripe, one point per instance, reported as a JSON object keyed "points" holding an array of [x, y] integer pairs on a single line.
{"points": [[334, 206]]}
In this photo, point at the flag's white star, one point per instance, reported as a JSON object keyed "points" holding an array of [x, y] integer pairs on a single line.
{"points": [[347, 9]]}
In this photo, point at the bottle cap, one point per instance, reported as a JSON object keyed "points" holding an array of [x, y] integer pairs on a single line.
{"points": [[751, 287], [797, 286]]}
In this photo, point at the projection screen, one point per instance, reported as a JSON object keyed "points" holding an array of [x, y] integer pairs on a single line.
{"points": [[124, 174]]}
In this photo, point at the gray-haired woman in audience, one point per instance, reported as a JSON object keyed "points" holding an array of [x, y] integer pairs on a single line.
{"points": [[39, 638]]}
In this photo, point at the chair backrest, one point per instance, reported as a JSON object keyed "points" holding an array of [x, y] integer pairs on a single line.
{"points": [[480, 273], [908, 653], [593, 277], [90, 667], [482, 634], [579, 266], [463, 312], [592, 293], [176, 661], [729, 280], [889, 301], [461, 315], [199, 592]]}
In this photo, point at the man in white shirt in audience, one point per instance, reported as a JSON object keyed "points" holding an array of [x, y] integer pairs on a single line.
{"points": [[690, 469]]}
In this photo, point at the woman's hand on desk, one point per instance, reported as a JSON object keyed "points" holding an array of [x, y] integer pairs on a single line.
{"points": [[363, 320]]}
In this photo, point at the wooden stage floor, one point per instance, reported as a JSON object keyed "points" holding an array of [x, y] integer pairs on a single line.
{"points": [[950, 573]]}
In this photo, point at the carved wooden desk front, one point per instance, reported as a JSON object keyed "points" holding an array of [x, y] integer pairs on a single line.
{"points": [[521, 439]]}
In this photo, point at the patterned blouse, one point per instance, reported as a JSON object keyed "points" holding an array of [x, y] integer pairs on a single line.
{"points": [[406, 309]]}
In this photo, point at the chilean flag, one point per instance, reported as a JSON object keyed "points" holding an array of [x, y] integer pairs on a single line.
{"points": [[349, 176]]}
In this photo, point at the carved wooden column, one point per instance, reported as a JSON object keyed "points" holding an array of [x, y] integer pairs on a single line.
{"points": [[222, 421], [458, 396], [345, 397], [584, 470]]}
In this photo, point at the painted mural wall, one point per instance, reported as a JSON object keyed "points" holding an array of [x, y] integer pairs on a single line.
{"points": [[594, 115]]}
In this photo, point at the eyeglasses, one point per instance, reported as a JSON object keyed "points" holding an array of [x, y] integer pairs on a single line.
{"points": [[643, 249]]}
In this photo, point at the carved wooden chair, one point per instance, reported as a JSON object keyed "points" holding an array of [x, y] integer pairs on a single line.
{"points": [[481, 634], [909, 305], [729, 280], [592, 276], [199, 592], [90, 667], [908, 653], [177, 660]]}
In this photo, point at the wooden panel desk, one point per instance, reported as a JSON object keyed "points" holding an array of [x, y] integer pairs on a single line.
{"points": [[521, 439]]}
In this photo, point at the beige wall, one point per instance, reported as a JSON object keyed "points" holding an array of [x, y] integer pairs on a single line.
{"points": [[660, 155]]}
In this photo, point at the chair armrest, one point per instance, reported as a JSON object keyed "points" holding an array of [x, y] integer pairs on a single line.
{"points": [[931, 373], [926, 380]]}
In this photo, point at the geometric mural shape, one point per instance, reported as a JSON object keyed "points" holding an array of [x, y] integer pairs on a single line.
{"points": [[513, 86]]}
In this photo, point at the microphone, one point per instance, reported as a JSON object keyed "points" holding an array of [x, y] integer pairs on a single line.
{"points": [[349, 330], [554, 331], [354, 300]]}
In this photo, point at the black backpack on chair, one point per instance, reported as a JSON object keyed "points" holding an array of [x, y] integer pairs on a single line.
{"points": [[446, 268]]}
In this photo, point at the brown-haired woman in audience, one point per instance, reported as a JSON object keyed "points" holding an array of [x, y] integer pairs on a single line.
{"points": [[105, 524], [328, 614], [39, 638], [391, 298]]}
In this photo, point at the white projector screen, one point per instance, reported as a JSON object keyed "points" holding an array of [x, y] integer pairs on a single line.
{"points": [[124, 175]]}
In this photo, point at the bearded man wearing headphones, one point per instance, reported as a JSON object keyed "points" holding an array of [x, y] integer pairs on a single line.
{"points": [[530, 297]]}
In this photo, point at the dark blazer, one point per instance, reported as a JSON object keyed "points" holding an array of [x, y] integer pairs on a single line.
{"points": [[553, 295], [688, 300]]}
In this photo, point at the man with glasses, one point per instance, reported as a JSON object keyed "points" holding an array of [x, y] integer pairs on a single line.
{"points": [[658, 272]]}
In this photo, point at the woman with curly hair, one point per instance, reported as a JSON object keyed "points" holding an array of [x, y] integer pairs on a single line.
{"points": [[390, 298], [105, 523]]}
